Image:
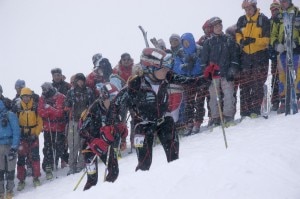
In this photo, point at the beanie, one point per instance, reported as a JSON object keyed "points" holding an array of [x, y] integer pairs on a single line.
{"points": [[161, 44], [175, 36], [20, 83]]}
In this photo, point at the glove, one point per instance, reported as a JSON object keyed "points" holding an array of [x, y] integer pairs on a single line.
{"points": [[99, 146], [231, 73], [12, 154], [212, 71], [247, 41], [280, 48]]}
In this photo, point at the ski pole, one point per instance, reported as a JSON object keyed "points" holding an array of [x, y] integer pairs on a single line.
{"points": [[84, 173], [52, 144], [106, 164], [220, 111]]}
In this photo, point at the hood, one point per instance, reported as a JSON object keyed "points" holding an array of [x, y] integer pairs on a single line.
{"points": [[190, 38]]}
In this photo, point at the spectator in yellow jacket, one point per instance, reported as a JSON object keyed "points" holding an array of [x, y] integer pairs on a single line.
{"points": [[253, 35], [31, 125]]}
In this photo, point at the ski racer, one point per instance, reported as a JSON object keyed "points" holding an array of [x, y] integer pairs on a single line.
{"points": [[147, 95]]}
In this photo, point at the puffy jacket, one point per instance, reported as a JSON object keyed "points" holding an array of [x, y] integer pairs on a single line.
{"points": [[123, 71], [77, 100], [52, 114], [62, 86], [29, 120], [257, 27], [192, 56], [277, 33], [220, 50], [9, 127]]}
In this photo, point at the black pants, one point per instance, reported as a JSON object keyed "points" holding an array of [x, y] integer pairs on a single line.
{"points": [[167, 136], [54, 146]]}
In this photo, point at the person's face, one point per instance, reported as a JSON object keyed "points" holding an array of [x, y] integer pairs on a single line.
{"points": [[250, 10], [174, 42], [57, 77], [285, 4], [80, 83], [99, 71], [26, 98], [218, 28], [18, 90], [186, 43], [274, 12], [161, 73], [126, 61]]}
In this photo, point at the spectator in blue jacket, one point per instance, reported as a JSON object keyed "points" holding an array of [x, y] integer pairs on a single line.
{"points": [[9, 143]]}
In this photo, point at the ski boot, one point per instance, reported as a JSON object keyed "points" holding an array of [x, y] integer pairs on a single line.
{"points": [[49, 174], [36, 182], [21, 186], [9, 195]]}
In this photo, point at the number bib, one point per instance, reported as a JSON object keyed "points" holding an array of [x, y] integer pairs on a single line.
{"points": [[91, 168], [139, 140]]}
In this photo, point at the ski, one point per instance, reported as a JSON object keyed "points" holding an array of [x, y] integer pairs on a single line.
{"points": [[265, 107], [290, 96], [144, 35]]}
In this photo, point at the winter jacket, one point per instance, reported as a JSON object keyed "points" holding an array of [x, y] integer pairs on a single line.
{"points": [[257, 27], [77, 100], [52, 112], [62, 86], [29, 120], [92, 79], [222, 51], [178, 56], [139, 95], [9, 127], [123, 71], [191, 66], [277, 33]]}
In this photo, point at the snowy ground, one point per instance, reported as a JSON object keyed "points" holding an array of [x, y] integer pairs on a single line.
{"points": [[262, 161]]}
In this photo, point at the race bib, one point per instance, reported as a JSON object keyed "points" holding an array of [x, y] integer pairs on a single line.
{"points": [[91, 168], [139, 140]]}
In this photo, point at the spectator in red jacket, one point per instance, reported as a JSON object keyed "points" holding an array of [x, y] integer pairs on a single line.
{"points": [[51, 109]]}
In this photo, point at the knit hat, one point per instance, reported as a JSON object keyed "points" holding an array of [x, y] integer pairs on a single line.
{"points": [[161, 44], [175, 36], [20, 83], [26, 91], [56, 70], [275, 5]]}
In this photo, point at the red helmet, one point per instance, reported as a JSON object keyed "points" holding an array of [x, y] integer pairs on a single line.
{"points": [[152, 57]]}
